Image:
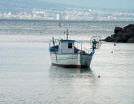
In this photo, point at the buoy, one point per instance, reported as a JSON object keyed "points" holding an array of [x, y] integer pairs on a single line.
{"points": [[82, 52], [98, 76], [112, 51]]}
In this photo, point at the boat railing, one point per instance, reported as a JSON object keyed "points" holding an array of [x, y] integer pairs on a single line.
{"points": [[56, 41], [84, 45], [81, 45]]}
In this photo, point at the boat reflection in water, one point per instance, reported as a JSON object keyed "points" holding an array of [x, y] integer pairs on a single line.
{"points": [[62, 73]]}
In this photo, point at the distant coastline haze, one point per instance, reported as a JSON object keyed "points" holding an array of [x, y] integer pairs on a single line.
{"points": [[86, 10]]}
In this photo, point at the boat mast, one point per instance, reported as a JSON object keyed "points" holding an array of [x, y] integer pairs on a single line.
{"points": [[67, 33], [54, 48]]}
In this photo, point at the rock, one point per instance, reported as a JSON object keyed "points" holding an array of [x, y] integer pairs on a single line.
{"points": [[117, 29], [124, 35], [131, 40], [109, 39], [129, 28]]}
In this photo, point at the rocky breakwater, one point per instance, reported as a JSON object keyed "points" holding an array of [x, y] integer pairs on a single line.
{"points": [[124, 35]]}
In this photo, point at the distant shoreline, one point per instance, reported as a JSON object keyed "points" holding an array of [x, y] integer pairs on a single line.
{"points": [[63, 20]]}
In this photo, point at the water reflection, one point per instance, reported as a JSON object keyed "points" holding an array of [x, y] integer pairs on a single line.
{"points": [[59, 72], [85, 70]]}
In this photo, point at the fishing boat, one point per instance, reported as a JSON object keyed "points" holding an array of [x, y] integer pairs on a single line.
{"points": [[65, 53]]}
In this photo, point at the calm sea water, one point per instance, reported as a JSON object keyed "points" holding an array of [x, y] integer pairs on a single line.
{"points": [[27, 77]]}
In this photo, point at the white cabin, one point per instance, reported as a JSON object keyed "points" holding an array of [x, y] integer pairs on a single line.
{"points": [[66, 46]]}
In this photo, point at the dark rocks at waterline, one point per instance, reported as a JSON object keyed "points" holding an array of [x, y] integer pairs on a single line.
{"points": [[124, 35]]}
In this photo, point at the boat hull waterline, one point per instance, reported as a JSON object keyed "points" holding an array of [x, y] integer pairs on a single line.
{"points": [[71, 60]]}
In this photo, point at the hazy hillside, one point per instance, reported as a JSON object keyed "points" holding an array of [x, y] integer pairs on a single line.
{"points": [[29, 4]]}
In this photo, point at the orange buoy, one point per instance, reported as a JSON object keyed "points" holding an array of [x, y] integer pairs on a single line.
{"points": [[82, 52]]}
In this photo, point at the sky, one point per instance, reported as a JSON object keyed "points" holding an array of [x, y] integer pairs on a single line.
{"points": [[106, 4]]}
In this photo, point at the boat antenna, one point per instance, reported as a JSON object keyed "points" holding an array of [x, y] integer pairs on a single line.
{"points": [[67, 33]]}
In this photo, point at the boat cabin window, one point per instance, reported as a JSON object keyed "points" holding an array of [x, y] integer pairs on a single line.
{"points": [[69, 45]]}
